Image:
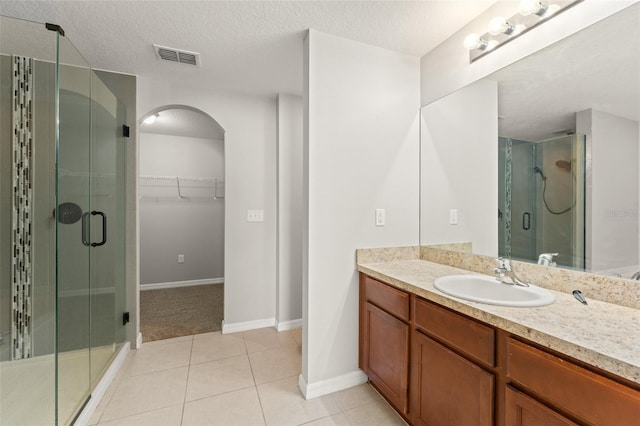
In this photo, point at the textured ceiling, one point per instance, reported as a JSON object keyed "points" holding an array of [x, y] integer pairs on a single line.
{"points": [[598, 67], [253, 47]]}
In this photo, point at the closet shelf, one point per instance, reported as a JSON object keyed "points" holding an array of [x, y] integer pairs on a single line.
{"points": [[215, 185]]}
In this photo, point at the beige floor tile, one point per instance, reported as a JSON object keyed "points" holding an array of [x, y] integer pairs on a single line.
{"points": [[104, 402], [158, 357], [275, 364], [267, 338], [356, 397], [170, 416], [335, 420], [235, 408], [374, 414], [167, 341], [283, 404], [146, 392], [213, 346], [296, 333], [217, 377]]}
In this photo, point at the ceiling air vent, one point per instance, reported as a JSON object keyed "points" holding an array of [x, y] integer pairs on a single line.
{"points": [[177, 55]]}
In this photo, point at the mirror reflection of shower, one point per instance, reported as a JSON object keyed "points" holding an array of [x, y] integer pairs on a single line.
{"points": [[541, 199], [563, 165]]}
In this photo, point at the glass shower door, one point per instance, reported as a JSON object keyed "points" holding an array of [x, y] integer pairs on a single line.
{"points": [[27, 227], [61, 226], [107, 227], [73, 233]]}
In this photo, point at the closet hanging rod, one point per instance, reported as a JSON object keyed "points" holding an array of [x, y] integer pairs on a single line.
{"points": [[173, 178]]}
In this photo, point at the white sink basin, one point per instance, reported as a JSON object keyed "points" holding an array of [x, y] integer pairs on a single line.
{"points": [[483, 289]]}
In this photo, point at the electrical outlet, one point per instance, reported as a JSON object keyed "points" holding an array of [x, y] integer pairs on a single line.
{"points": [[380, 217], [181, 258], [255, 215]]}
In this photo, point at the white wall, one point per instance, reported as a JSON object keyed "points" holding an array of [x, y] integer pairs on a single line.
{"points": [[192, 226], [446, 68], [361, 152], [612, 189], [250, 183], [289, 281], [459, 162]]}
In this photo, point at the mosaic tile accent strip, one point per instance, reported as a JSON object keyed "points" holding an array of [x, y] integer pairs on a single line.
{"points": [[508, 176], [21, 238]]}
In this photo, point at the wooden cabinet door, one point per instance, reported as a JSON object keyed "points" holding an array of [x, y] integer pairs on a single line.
{"points": [[522, 410], [447, 389], [386, 354]]}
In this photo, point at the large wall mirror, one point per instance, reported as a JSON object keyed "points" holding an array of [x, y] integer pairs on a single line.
{"points": [[542, 156]]}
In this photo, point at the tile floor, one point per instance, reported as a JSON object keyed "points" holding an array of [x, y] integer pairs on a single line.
{"points": [[248, 378]]}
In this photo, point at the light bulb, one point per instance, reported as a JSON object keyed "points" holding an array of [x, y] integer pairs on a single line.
{"points": [[151, 119], [553, 8], [518, 29], [474, 41], [499, 25], [532, 7], [492, 44]]}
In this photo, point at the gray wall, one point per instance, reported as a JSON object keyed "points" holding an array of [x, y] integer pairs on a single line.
{"points": [[192, 226], [289, 289]]}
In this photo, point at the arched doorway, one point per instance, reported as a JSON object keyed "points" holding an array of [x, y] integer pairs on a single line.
{"points": [[181, 205]]}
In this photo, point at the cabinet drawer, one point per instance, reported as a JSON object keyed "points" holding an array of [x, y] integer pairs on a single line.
{"points": [[521, 410], [576, 390], [471, 337], [392, 300]]}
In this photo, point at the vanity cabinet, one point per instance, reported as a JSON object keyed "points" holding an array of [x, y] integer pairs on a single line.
{"points": [[440, 367], [582, 394], [384, 340], [447, 389], [522, 410], [449, 384]]}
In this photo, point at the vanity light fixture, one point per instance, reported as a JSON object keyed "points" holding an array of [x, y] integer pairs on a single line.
{"points": [[532, 7], [151, 119], [474, 41], [500, 25], [500, 30]]}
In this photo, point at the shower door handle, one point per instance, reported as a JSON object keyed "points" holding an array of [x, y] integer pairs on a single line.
{"points": [[85, 224], [104, 228], [526, 221]]}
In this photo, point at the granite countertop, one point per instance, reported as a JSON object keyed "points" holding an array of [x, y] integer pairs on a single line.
{"points": [[601, 334]]}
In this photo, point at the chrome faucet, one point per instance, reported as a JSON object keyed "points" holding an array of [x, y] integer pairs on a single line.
{"points": [[546, 259], [506, 275]]}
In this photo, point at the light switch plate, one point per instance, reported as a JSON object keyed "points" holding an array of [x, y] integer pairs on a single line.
{"points": [[380, 217], [181, 258], [453, 217]]}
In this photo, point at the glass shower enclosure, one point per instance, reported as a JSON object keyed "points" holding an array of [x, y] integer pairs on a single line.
{"points": [[62, 287], [541, 199]]}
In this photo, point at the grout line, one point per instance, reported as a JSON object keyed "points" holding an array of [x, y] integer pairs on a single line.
{"points": [[137, 414], [255, 385], [220, 394], [186, 386]]}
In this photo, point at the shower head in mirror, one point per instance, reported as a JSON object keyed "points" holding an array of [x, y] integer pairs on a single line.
{"points": [[564, 165]]}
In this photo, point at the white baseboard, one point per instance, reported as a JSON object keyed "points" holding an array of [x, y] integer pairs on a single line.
{"points": [[288, 325], [248, 325], [139, 341], [335, 384], [102, 386], [159, 286]]}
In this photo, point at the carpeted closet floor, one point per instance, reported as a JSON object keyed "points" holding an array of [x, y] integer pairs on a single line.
{"points": [[181, 311]]}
